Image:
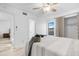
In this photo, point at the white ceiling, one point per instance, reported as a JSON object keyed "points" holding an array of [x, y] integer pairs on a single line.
{"points": [[61, 8]]}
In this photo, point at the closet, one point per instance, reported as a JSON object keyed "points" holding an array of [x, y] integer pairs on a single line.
{"points": [[71, 27]]}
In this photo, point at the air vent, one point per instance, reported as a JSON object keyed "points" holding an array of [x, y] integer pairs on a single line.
{"points": [[24, 13]]}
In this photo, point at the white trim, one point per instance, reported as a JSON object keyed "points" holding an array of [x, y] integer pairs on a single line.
{"points": [[71, 15], [68, 13]]}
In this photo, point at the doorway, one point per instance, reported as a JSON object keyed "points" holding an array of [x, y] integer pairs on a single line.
{"points": [[6, 30]]}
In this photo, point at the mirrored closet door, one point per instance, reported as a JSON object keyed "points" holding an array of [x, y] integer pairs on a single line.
{"points": [[71, 27]]}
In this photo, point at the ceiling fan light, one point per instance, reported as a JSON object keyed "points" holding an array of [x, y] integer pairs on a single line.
{"points": [[46, 9]]}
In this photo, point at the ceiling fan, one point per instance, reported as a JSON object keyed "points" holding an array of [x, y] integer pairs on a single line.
{"points": [[47, 7]]}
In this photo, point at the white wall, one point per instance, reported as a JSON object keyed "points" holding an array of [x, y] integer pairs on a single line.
{"points": [[20, 29], [4, 26], [41, 28], [42, 25], [31, 28], [4, 22]]}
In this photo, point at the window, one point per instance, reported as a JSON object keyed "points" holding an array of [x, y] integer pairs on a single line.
{"points": [[51, 26]]}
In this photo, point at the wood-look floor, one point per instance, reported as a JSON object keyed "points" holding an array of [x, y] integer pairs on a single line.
{"points": [[6, 48]]}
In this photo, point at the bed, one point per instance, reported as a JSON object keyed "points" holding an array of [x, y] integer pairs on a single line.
{"points": [[56, 46]]}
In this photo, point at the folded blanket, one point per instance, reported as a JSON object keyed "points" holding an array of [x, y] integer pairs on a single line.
{"points": [[33, 40]]}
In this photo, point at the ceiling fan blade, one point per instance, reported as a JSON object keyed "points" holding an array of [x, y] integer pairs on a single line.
{"points": [[37, 8], [54, 3], [54, 10]]}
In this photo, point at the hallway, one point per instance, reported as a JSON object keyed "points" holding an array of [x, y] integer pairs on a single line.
{"points": [[6, 49]]}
